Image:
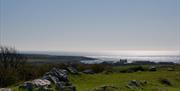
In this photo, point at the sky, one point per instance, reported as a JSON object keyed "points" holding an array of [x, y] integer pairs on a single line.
{"points": [[90, 25]]}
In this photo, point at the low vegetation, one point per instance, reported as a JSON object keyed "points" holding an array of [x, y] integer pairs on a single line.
{"points": [[160, 80], [14, 70]]}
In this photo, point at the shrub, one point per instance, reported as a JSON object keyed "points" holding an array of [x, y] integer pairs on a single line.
{"points": [[165, 81], [97, 68], [131, 69], [10, 63]]}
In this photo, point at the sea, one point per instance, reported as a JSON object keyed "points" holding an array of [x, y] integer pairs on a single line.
{"points": [[130, 56], [130, 59]]}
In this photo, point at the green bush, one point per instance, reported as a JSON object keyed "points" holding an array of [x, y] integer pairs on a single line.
{"points": [[165, 81], [10, 63]]}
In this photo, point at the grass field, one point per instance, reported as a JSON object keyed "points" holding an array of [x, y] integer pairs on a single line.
{"points": [[86, 82]]}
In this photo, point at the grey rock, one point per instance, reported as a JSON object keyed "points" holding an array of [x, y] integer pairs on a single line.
{"points": [[72, 70], [133, 84], [41, 82], [57, 76], [60, 78], [51, 78]]}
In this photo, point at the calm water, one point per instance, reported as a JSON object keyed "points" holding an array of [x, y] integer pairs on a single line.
{"points": [[175, 59]]}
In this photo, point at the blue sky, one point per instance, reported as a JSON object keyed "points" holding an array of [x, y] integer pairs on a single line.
{"points": [[90, 25]]}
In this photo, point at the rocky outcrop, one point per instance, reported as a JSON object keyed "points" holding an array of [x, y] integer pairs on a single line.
{"points": [[57, 77], [133, 84], [72, 70], [60, 79]]}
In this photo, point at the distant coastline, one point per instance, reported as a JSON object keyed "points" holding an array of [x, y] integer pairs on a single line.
{"points": [[43, 56]]}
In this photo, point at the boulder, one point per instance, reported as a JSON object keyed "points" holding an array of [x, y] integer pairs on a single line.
{"points": [[60, 78], [41, 82], [56, 76], [133, 84], [72, 70], [51, 78]]}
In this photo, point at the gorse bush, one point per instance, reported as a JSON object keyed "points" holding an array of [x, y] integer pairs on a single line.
{"points": [[10, 63], [30, 71], [10, 59], [14, 67], [129, 69], [165, 81], [97, 68]]}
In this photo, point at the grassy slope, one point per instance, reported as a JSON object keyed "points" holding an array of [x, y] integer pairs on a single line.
{"points": [[86, 82]]}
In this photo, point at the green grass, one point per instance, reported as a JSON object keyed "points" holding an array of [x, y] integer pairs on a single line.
{"points": [[86, 82]]}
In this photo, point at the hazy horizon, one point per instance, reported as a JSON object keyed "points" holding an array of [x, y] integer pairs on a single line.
{"points": [[111, 26], [105, 53]]}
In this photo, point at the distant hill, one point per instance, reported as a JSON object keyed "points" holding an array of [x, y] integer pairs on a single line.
{"points": [[44, 58]]}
